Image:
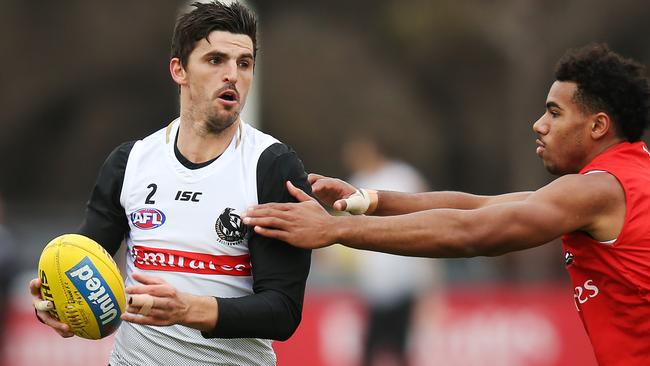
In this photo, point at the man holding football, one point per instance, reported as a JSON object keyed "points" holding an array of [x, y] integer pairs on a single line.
{"points": [[204, 288], [590, 135]]}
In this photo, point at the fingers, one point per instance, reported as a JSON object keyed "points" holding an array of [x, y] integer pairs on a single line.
{"points": [[42, 310], [267, 209], [340, 205], [329, 190], [319, 185], [63, 331], [268, 206], [156, 317], [311, 178], [64, 334], [298, 193], [272, 233], [356, 204], [43, 305], [148, 280], [267, 221], [140, 300], [143, 301], [132, 317], [155, 310], [61, 328], [35, 287], [361, 202], [164, 290], [152, 286], [147, 309], [39, 303], [42, 313]]}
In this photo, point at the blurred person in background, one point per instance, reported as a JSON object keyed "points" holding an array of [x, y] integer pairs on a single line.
{"points": [[7, 270], [175, 198], [590, 135], [391, 284]]}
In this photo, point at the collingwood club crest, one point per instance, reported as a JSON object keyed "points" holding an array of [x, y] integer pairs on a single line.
{"points": [[568, 258], [230, 228]]}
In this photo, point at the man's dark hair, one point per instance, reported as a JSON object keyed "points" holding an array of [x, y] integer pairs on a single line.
{"points": [[206, 18], [607, 82]]}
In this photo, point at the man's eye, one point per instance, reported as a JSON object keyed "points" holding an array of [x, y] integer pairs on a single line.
{"points": [[244, 64], [214, 60]]}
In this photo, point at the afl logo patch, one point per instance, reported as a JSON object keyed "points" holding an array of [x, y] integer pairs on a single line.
{"points": [[230, 228], [147, 218]]}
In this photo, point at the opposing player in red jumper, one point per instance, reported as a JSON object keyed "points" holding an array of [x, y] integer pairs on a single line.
{"points": [[590, 135], [205, 289]]}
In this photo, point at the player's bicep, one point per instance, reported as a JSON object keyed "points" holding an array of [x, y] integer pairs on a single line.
{"points": [[505, 198], [525, 225], [564, 206]]}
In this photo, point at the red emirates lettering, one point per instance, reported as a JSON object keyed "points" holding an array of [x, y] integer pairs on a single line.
{"points": [[157, 259]]}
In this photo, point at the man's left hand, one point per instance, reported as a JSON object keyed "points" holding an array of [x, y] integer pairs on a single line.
{"points": [[156, 302], [304, 224]]}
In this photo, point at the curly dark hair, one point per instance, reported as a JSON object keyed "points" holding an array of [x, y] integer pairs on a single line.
{"points": [[610, 83], [206, 18]]}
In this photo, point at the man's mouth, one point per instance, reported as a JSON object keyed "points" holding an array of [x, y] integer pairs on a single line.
{"points": [[540, 147], [229, 96]]}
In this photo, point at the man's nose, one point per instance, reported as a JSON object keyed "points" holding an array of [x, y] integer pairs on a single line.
{"points": [[540, 126], [230, 72]]}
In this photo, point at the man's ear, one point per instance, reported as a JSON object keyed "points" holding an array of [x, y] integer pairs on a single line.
{"points": [[601, 124], [177, 71]]}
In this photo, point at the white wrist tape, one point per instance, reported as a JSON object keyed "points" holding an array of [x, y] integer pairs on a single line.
{"points": [[362, 201]]}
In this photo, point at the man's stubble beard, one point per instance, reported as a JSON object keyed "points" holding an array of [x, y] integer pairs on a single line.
{"points": [[217, 121], [215, 124], [210, 120]]}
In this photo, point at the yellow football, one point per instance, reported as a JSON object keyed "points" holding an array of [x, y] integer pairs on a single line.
{"points": [[85, 285]]}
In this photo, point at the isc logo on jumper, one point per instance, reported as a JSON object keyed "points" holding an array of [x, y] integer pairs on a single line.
{"points": [[147, 218], [91, 285]]}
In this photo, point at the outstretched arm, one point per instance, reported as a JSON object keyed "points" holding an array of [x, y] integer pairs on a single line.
{"points": [[336, 193], [399, 203], [593, 203]]}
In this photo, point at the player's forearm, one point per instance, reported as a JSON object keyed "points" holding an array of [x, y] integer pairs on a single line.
{"points": [[416, 234], [399, 203], [442, 233], [268, 315], [202, 312]]}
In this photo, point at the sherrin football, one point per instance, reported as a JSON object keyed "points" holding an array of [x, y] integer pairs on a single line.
{"points": [[85, 285]]}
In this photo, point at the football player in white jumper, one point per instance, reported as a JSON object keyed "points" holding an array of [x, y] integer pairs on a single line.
{"points": [[214, 291]]}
